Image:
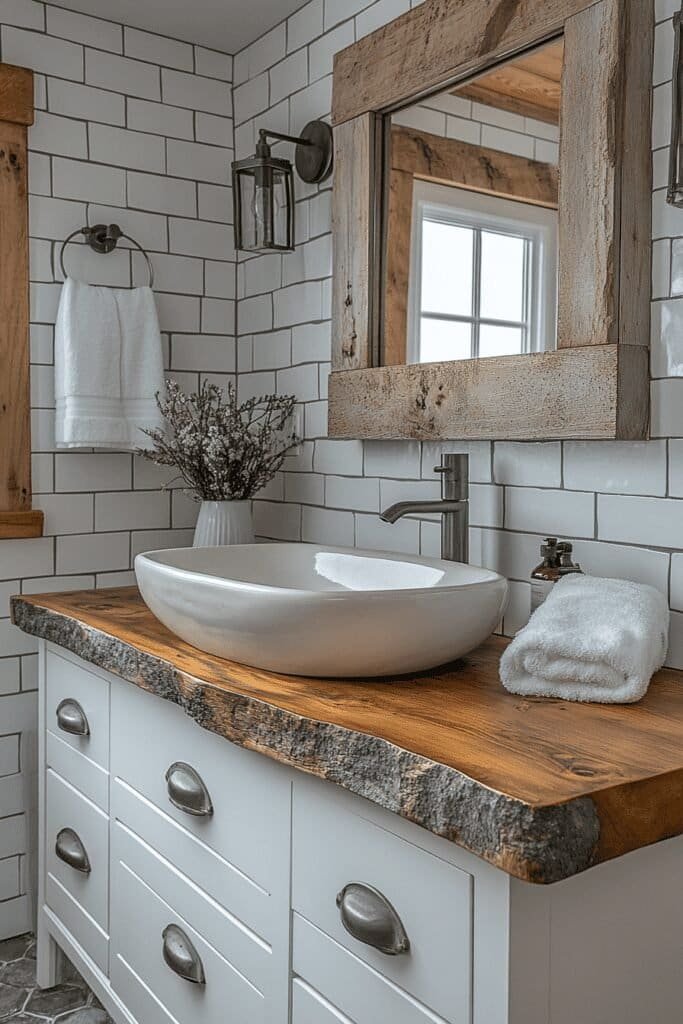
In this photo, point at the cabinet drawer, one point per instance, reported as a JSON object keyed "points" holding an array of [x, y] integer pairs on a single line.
{"points": [[333, 847], [81, 689], [141, 976], [338, 988], [245, 950], [88, 837], [249, 795], [83, 774]]}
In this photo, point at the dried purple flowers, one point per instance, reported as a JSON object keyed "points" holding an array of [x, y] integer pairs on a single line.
{"points": [[223, 451]]}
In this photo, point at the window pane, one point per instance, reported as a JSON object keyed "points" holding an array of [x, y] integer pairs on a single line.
{"points": [[446, 268], [502, 276], [442, 340], [499, 341]]}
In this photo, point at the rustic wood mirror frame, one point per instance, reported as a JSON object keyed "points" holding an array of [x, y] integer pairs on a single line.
{"points": [[596, 383], [17, 518]]}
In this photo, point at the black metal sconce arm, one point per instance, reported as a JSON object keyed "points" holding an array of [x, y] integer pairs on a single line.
{"points": [[313, 154]]}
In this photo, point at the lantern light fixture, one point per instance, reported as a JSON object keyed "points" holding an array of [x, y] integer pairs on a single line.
{"points": [[674, 194], [263, 187]]}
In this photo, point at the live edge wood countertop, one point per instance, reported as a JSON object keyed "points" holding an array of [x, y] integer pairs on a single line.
{"points": [[541, 788]]}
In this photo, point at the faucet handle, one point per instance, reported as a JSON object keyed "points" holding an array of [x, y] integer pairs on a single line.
{"points": [[454, 470]]}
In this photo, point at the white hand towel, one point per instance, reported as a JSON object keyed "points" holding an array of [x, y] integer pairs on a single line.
{"points": [[108, 366], [591, 640]]}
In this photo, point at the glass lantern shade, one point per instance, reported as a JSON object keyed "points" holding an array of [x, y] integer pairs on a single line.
{"points": [[263, 196], [674, 194]]}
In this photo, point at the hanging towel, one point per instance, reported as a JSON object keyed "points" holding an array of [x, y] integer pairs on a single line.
{"points": [[108, 366], [591, 640]]}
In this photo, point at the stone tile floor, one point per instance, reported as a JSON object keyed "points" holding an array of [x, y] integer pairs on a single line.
{"points": [[21, 1002]]}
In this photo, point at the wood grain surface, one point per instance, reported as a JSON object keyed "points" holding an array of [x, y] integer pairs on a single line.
{"points": [[541, 788]]}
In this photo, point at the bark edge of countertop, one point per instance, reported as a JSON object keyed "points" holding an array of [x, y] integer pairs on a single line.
{"points": [[538, 843]]}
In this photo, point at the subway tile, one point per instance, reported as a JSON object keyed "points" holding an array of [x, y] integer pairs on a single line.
{"points": [[340, 10], [463, 130], [203, 352], [201, 238], [85, 101], [10, 587], [617, 561], [54, 218], [677, 581], [195, 92], [251, 99], [300, 303], [9, 765], [184, 511], [301, 381], [486, 505], [675, 656], [162, 195], [374, 535], [664, 54], [288, 77], [273, 351], [79, 263], [124, 148], [115, 579], [479, 453], [627, 467], [676, 469], [149, 229], [73, 179], [214, 130], [256, 314], [42, 388], [24, 14], [277, 521], [44, 299], [359, 494], [57, 584], [321, 52], [378, 15], [42, 53], [178, 312], [158, 49], [661, 116], [213, 64], [105, 35], [13, 643], [121, 74], [528, 465], [399, 459], [550, 512], [638, 520], [40, 269], [160, 119], [267, 50], [667, 338], [60, 136], [506, 141], [218, 316], [42, 472], [10, 681], [262, 274], [82, 471], [392, 491], [667, 408], [215, 203], [304, 488], [131, 511], [39, 174], [154, 540], [198, 161], [305, 25], [327, 526], [181, 274], [518, 611], [662, 270], [311, 342], [219, 279], [65, 513], [338, 457]]}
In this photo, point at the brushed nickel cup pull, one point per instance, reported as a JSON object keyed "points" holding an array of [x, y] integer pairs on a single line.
{"points": [[181, 956], [71, 718], [71, 850], [187, 791], [369, 917]]}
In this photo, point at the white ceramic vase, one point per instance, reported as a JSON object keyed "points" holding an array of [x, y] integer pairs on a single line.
{"points": [[224, 522]]}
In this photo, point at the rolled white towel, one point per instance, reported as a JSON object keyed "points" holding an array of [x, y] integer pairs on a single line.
{"points": [[591, 640]]}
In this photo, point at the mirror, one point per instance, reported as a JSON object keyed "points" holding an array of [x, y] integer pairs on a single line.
{"points": [[471, 217]]}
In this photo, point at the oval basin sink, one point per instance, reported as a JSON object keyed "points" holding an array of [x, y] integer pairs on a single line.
{"points": [[322, 611]]}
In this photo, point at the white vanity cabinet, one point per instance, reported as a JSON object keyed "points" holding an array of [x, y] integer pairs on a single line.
{"points": [[195, 882]]}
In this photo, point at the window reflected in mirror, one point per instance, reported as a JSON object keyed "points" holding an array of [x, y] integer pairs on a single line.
{"points": [[471, 241]]}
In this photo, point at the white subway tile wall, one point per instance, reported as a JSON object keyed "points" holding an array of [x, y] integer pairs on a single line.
{"points": [[133, 128], [619, 502]]}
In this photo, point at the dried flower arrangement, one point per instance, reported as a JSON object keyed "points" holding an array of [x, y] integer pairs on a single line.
{"points": [[223, 451]]}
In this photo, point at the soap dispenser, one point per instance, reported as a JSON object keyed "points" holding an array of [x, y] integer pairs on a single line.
{"points": [[546, 574]]}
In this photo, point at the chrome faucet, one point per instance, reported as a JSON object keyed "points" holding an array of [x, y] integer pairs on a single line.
{"points": [[453, 506]]}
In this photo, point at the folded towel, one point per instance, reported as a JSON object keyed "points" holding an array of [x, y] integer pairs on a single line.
{"points": [[592, 640], [108, 366]]}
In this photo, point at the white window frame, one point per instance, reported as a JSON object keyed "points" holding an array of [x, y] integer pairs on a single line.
{"points": [[461, 207]]}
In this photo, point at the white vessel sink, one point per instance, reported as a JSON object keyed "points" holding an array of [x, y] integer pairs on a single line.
{"points": [[322, 611]]}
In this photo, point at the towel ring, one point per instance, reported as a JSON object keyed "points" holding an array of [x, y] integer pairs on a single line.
{"points": [[103, 239]]}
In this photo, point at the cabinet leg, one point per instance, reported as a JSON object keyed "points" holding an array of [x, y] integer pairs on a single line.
{"points": [[48, 959]]}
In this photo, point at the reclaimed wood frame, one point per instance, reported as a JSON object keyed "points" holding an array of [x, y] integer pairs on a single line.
{"points": [[421, 156], [595, 385], [17, 518]]}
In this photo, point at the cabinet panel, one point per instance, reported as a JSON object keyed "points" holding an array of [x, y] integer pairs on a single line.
{"points": [[67, 809], [69, 681], [83, 774], [139, 919], [333, 847], [309, 1007], [250, 795], [360, 993]]}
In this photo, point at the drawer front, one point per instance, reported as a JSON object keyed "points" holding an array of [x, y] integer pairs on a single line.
{"points": [[309, 1007], [76, 687], [249, 795], [83, 774], [81, 829], [139, 919], [345, 986], [245, 950], [333, 847], [87, 933]]}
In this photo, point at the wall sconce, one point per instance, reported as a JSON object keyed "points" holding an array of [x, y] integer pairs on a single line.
{"points": [[263, 187], [674, 194]]}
